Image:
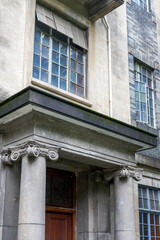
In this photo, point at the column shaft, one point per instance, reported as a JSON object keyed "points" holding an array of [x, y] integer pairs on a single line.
{"points": [[31, 224], [124, 209]]}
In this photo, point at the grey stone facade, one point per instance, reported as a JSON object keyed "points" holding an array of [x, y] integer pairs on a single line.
{"points": [[143, 46], [95, 140]]}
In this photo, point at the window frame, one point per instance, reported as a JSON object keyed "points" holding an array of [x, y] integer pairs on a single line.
{"points": [[142, 4], [149, 213], [69, 45], [150, 120]]}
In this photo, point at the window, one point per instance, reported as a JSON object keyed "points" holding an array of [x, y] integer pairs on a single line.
{"points": [[59, 53], [143, 3], [149, 213], [59, 188], [144, 94]]}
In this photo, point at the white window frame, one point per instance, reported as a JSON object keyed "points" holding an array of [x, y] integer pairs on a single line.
{"points": [[148, 212], [69, 45], [147, 91]]}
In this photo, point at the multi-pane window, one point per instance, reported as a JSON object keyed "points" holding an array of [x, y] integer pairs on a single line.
{"points": [[59, 52], [58, 63], [144, 95], [143, 3], [149, 213]]}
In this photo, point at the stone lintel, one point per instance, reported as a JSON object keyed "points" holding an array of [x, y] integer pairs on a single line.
{"points": [[32, 149]]}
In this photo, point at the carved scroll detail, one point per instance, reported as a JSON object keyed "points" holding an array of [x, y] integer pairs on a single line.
{"points": [[31, 149], [123, 172]]}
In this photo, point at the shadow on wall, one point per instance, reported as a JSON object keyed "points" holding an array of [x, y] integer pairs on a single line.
{"points": [[3, 95]]}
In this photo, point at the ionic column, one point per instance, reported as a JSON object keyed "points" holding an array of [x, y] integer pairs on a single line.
{"points": [[31, 224], [124, 209]]}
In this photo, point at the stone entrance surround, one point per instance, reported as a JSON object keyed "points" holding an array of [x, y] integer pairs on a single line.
{"points": [[31, 224]]}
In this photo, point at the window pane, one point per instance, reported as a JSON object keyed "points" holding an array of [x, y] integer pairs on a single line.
{"points": [[137, 96], [140, 203], [142, 87], [35, 72], [145, 201], [73, 54], [72, 88], [137, 86], [37, 36], [55, 57], [55, 69], [63, 72], [63, 49], [73, 77], [79, 91], [44, 76], [54, 81], [79, 68], [37, 48], [80, 57], [144, 71], [45, 39], [64, 61], [80, 80], [138, 115], [45, 51], [73, 65], [145, 218], [44, 63], [144, 79], [143, 97], [55, 45], [63, 84], [150, 93], [138, 106], [36, 60], [143, 107]]}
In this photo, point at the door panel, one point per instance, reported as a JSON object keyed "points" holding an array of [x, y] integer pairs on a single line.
{"points": [[58, 226]]}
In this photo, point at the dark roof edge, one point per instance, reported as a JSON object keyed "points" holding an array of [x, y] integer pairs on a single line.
{"points": [[31, 95]]}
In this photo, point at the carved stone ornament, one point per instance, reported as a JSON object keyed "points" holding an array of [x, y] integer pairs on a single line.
{"points": [[98, 176], [125, 172], [30, 149]]}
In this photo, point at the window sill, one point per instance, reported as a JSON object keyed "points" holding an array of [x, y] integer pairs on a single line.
{"points": [[60, 92]]}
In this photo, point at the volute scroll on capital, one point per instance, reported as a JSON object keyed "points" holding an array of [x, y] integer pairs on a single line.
{"points": [[124, 172], [31, 149]]}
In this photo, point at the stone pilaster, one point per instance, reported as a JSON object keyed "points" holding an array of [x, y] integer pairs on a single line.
{"points": [[31, 224]]}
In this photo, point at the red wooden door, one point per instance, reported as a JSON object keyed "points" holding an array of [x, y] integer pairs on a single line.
{"points": [[58, 226]]}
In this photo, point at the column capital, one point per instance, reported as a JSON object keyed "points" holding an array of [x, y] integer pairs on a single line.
{"points": [[125, 172], [31, 149]]}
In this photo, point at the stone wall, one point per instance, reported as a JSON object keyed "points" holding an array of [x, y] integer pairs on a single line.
{"points": [[143, 46]]}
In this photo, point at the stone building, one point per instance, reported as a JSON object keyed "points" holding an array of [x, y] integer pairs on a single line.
{"points": [[79, 120]]}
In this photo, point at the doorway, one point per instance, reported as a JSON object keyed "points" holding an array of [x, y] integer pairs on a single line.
{"points": [[60, 205]]}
